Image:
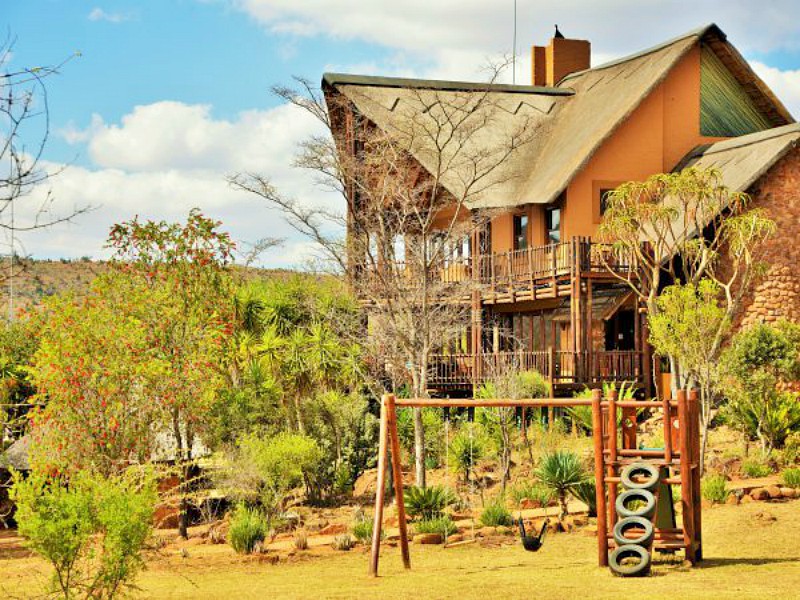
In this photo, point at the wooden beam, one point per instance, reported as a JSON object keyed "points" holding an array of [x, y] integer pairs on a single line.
{"points": [[397, 476], [380, 491], [600, 493]]}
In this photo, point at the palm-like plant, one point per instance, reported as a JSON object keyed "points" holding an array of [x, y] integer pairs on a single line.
{"points": [[562, 472], [427, 503]]}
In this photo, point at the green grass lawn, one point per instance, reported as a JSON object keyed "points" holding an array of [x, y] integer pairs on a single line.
{"points": [[748, 555]]}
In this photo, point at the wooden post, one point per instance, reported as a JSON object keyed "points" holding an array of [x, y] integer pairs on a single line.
{"points": [[589, 332], [694, 415], [380, 491], [612, 455], [646, 356], [599, 478], [686, 476], [397, 475]]}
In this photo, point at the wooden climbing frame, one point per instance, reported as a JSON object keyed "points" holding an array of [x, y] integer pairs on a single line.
{"points": [[680, 456]]}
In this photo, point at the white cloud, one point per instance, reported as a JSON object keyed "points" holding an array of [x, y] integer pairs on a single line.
{"points": [[450, 34], [785, 84], [98, 14], [165, 158]]}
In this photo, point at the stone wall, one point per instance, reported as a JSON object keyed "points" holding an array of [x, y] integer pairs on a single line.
{"points": [[777, 295]]}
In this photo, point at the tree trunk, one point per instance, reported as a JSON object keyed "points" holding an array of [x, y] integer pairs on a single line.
{"points": [[419, 448]]}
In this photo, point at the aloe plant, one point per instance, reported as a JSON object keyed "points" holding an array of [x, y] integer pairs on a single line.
{"points": [[427, 503], [562, 472]]}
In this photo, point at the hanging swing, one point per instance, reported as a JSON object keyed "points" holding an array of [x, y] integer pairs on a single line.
{"points": [[531, 543]]}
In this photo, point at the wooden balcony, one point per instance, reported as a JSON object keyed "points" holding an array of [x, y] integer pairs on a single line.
{"points": [[564, 368], [539, 272]]}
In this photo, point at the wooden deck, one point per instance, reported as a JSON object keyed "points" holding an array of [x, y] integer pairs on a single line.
{"points": [[564, 368]]}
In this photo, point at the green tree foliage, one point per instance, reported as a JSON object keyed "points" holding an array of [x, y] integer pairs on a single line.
{"points": [[91, 528], [264, 470], [689, 326], [757, 366], [18, 342]]}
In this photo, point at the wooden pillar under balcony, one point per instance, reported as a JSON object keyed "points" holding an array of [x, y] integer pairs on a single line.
{"points": [[589, 341], [476, 338]]}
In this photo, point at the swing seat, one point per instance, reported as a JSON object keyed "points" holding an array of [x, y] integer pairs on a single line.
{"points": [[531, 543]]}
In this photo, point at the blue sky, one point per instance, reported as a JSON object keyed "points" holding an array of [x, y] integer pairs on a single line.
{"points": [[169, 96]]}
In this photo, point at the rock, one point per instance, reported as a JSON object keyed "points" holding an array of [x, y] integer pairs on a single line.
{"points": [[317, 525], [580, 520], [764, 518], [732, 499], [333, 529], [759, 494], [746, 499], [774, 492], [428, 538], [485, 531], [503, 530], [590, 531], [527, 504], [456, 537], [788, 492], [706, 504], [567, 524]]}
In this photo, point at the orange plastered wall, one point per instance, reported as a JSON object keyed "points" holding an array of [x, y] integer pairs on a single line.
{"points": [[662, 129]]}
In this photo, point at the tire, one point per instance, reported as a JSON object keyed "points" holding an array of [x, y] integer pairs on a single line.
{"points": [[623, 525], [650, 472], [645, 511], [640, 569]]}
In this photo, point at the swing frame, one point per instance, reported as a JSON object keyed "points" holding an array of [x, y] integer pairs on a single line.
{"points": [[681, 453]]}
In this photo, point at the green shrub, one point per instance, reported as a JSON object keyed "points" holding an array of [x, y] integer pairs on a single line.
{"points": [[466, 448], [264, 469], [428, 502], [249, 527], [561, 471], [432, 424], [586, 493], [343, 542], [91, 531], [714, 488], [443, 526], [362, 530], [791, 477], [755, 468], [494, 514], [533, 491]]}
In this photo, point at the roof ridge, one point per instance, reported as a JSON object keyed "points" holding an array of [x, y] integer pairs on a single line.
{"points": [[742, 141], [697, 32], [334, 79]]}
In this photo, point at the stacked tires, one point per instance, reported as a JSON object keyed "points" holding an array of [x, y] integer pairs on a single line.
{"points": [[635, 508]]}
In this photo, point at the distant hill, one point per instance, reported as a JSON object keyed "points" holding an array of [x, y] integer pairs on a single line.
{"points": [[39, 279]]}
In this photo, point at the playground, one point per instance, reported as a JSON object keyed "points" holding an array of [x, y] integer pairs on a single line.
{"points": [[747, 555]]}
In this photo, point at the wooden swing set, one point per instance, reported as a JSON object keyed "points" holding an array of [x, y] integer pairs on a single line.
{"points": [[678, 461]]}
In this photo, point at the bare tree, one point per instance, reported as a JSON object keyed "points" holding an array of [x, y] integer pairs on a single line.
{"points": [[25, 121], [409, 232]]}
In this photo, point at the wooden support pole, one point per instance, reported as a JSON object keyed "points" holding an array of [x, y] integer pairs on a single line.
{"points": [[686, 476], [599, 475], [667, 429], [397, 477], [694, 415], [611, 468], [380, 491]]}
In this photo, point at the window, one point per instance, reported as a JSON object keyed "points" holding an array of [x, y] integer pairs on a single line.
{"points": [[604, 193], [552, 224], [520, 232]]}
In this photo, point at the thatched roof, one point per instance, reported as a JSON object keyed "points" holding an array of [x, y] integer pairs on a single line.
{"points": [[743, 160], [571, 121]]}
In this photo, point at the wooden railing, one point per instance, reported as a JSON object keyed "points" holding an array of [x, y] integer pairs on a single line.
{"points": [[533, 266], [559, 366]]}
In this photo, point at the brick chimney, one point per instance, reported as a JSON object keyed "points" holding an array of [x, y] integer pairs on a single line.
{"points": [[562, 56]]}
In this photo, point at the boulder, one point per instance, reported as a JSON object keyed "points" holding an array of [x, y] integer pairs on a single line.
{"points": [[428, 538], [788, 492], [456, 537], [333, 529], [747, 499], [503, 530], [528, 504], [759, 494], [732, 499], [774, 492], [485, 531]]}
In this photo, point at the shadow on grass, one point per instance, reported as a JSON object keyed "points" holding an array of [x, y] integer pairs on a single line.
{"points": [[711, 563]]}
